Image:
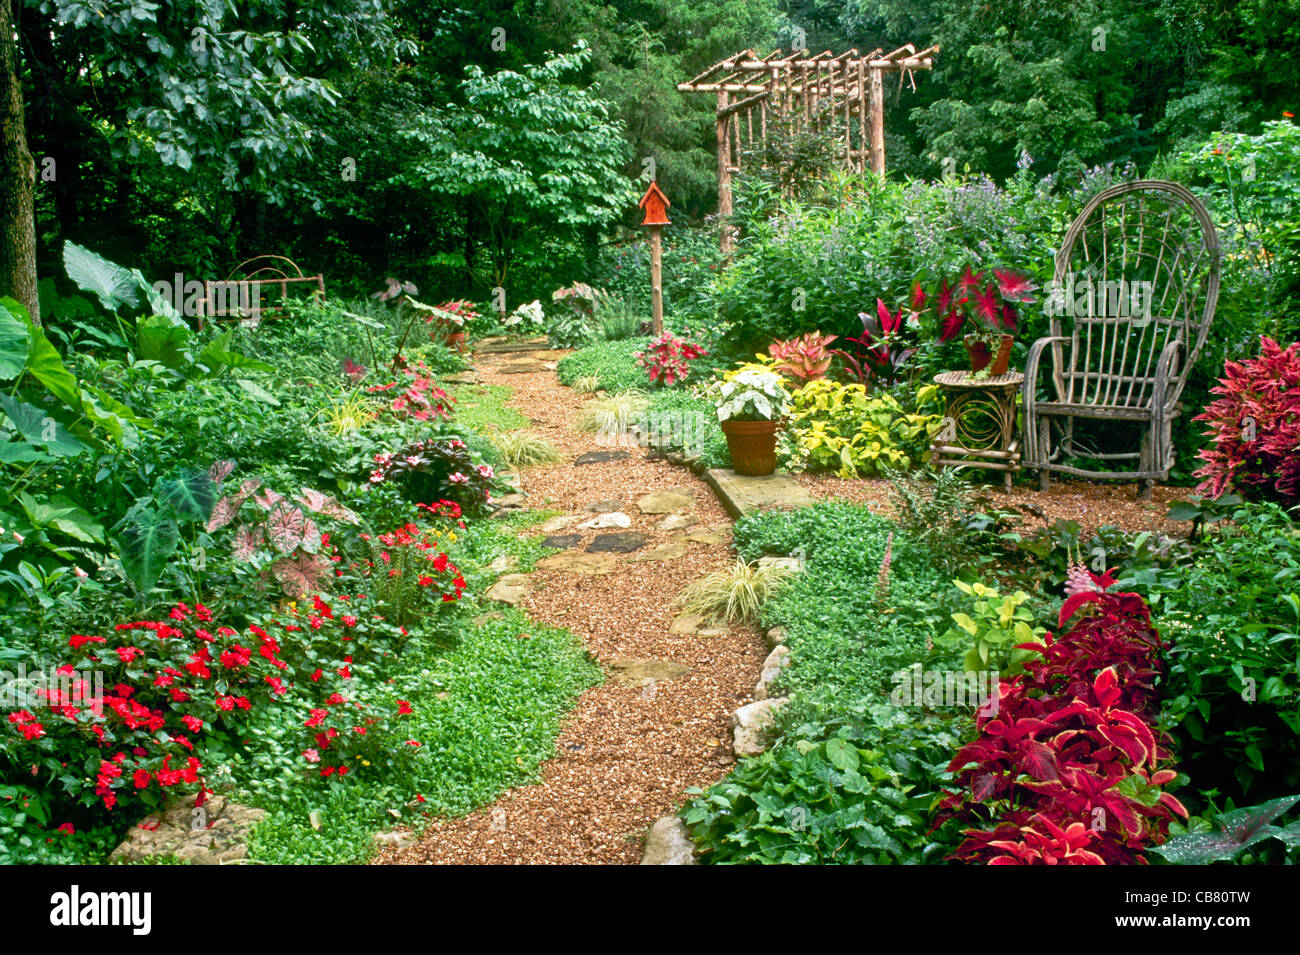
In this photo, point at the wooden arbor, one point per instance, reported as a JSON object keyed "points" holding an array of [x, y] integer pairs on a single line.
{"points": [[1132, 298], [840, 97]]}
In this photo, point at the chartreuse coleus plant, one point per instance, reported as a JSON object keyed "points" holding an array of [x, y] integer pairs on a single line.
{"points": [[837, 427], [994, 629]]}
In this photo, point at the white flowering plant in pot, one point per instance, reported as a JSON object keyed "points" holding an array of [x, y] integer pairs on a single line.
{"points": [[752, 395], [525, 316]]}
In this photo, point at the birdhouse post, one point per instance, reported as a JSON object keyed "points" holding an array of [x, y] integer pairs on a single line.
{"points": [[655, 204]]}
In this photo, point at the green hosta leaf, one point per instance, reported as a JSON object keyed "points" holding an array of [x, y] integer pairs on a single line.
{"points": [[111, 283], [14, 326], [145, 542], [190, 492]]}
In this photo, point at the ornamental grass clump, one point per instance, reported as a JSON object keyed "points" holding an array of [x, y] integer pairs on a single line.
{"points": [[613, 414], [735, 595], [519, 449]]}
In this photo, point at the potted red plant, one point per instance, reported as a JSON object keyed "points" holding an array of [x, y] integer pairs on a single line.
{"points": [[987, 309]]}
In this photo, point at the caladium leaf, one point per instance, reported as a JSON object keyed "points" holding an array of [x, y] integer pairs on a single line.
{"points": [[301, 575], [220, 470], [286, 527], [1241, 829], [248, 541], [325, 504]]}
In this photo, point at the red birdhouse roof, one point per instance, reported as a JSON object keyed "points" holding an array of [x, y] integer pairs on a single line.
{"points": [[655, 204]]}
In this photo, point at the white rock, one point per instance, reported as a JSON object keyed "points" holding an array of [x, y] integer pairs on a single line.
{"points": [[558, 523], [789, 563], [669, 843], [751, 724], [779, 657], [612, 519]]}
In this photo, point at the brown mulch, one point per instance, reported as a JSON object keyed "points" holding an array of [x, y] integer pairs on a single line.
{"points": [[1092, 505], [625, 756]]}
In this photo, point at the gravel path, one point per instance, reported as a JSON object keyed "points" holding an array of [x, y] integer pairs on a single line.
{"points": [[627, 752]]}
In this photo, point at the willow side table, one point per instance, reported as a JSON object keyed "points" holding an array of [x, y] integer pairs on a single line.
{"points": [[979, 425]]}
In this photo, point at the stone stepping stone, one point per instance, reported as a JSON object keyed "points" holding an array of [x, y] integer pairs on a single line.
{"points": [[604, 507], [503, 563], [578, 562], [675, 522], [510, 589], [601, 457], [743, 495], [610, 519], [522, 368], [170, 831], [501, 345], [667, 551], [617, 543], [628, 671], [692, 624], [667, 502], [686, 623], [557, 523], [510, 501], [705, 535], [562, 541], [462, 378], [792, 564]]}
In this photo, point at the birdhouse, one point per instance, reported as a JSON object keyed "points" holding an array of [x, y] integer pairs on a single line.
{"points": [[655, 204]]}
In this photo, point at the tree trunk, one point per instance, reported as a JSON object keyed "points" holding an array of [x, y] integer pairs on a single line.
{"points": [[17, 178]]}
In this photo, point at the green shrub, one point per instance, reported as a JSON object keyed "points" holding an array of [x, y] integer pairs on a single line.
{"points": [[612, 362]]}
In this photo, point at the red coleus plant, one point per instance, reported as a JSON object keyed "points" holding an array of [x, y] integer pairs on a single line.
{"points": [[668, 358], [986, 308], [1067, 768], [1254, 427], [805, 358]]}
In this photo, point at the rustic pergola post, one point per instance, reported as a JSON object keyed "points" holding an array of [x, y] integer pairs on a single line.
{"points": [[842, 97]]}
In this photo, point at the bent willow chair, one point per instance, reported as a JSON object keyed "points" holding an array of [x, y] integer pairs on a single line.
{"points": [[1132, 297]]}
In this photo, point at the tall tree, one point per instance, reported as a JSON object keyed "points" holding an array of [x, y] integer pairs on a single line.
{"points": [[17, 177]]}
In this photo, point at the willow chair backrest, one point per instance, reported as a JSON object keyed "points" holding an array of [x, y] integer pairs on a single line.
{"points": [[1138, 269]]}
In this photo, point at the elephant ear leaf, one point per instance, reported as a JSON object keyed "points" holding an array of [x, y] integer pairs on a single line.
{"points": [[39, 429], [45, 364], [147, 538], [14, 326], [110, 282], [190, 492]]}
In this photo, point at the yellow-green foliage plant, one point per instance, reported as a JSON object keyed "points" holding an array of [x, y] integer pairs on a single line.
{"points": [[839, 427]]}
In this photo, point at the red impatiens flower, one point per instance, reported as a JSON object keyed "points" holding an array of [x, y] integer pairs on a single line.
{"points": [[77, 640], [193, 723], [403, 707], [141, 778]]}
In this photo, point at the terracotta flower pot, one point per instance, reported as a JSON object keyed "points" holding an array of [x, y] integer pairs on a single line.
{"points": [[980, 356], [752, 445], [455, 340]]}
